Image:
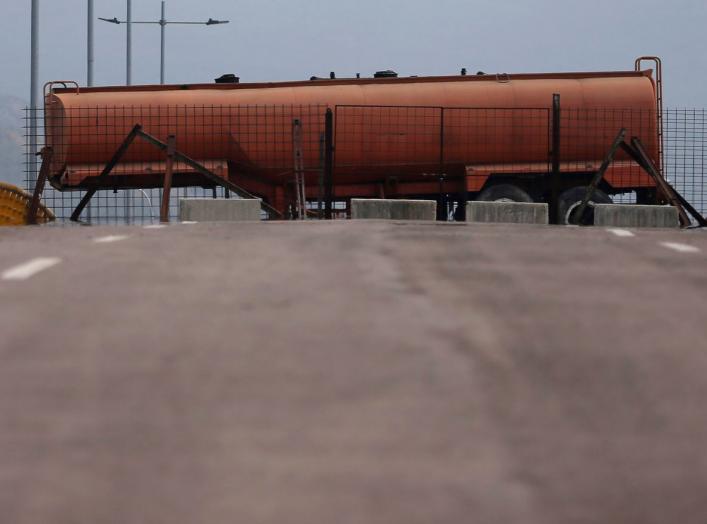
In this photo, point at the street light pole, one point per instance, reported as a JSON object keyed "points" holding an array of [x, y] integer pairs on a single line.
{"points": [[34, 77], [129, 45], [89, 62], [128, 195], [89, 45], [162, 22], [163, 25]]}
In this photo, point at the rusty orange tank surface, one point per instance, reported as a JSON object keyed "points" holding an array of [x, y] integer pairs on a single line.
{"points": [[401, 129]]}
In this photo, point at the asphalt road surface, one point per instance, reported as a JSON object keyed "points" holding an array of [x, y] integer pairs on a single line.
{"points": [[352, 372]]}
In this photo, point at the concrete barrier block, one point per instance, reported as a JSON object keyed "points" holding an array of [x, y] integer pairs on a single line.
{"points": [[507, 212], [625, 215], [382, 209], [219, 209]]}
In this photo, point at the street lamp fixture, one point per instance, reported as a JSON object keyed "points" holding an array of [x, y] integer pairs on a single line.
{"points": [[163, 22]]}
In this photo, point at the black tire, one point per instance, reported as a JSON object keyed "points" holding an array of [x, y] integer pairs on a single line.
{"points": [[504, 193], [569, 201]]}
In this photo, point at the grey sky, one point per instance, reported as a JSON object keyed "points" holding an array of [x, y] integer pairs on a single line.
{"points": [[294, 39]]}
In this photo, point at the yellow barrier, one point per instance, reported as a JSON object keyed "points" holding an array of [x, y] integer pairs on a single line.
{"points": [[14, 204]]}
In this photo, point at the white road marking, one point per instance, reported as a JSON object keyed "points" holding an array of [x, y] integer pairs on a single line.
{"points": [[189, 222], [681, 248], [109, 239], [154, 226], [624, 233], [29, 269]]}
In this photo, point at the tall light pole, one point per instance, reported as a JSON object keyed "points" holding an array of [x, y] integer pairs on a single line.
{"points": [[163, 23], [89, 61], [89, 44], [129, 44], [33, 79]]}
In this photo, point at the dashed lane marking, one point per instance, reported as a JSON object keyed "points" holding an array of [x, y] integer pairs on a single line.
{"points": [[680, 248], [154, 226], [30, 268], [189, 222], [623, 233], [110, 238]]}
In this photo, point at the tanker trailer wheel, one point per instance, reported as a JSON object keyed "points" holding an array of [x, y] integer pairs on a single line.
{"points": [[568, 205], [504, 193]]}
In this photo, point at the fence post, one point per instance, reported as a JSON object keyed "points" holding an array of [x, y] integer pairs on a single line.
{"points": [[167, 186], [328, 163], [555, 182], [442, 203], [320, 181], [300, 189]]}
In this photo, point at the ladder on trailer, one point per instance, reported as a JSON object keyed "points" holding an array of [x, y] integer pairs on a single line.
{"points": [[658, 102]]}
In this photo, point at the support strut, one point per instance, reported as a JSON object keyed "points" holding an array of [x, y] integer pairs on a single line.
{"points": [[137, 132]]}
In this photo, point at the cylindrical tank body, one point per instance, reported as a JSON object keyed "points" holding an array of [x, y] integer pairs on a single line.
{"points": [[381, 123]]}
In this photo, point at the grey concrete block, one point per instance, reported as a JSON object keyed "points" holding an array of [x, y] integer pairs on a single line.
{"points": [[624, 215], [507, 212], [219, 209], [369, 208]]}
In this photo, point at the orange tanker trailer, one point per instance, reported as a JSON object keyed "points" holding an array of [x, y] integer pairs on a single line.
{"points": [[482, 136]]}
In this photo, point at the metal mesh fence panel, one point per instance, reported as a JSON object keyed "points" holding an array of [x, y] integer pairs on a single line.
{"points": [[434, 149], [387, 136], [685, 148], [587, 135], [253, 141]]}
